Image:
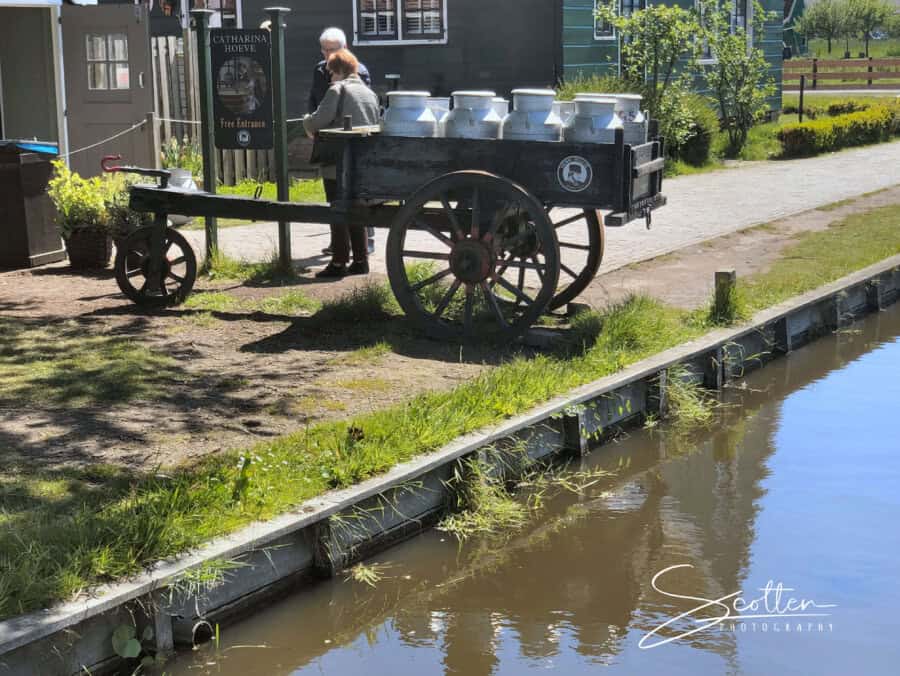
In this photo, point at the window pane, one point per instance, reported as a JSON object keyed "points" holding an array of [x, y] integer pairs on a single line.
{"points": [[118, 47], [96, 47], [413, 23], [367, 24], [120, 76], [385, 22], [97, 76], [432, 22]]}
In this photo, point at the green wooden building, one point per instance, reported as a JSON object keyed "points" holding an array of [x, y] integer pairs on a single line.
{"points": [[590, 46]]}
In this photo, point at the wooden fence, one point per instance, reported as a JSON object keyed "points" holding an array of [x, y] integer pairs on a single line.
{"points": [[842, 74], [177, 106]]}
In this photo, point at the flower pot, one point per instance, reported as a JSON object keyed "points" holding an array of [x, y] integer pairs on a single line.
{"points": [[89, 248]]}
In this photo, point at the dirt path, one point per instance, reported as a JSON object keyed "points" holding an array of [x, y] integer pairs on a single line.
{"points": [[238, 376]]}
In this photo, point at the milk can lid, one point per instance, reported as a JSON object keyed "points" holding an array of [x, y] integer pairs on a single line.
{"points": [[400, 92], [534, 92]]}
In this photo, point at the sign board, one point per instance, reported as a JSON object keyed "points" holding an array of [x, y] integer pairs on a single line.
{"points": [[242, 87]]}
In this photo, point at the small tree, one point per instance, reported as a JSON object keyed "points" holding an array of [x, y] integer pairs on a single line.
{"points": [[826, 19], [659, 48], [892, 26], [739, 76], [869, 15]]}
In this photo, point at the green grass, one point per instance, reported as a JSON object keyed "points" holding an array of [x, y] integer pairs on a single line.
{"points": [[369, 354], [824, 100], [63, 531], [65, 364], [221, 266], [878, 49], [290, 303], [299, 191]]}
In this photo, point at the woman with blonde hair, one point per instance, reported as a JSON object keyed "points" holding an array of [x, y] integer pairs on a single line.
{"points": [[347, 95]]}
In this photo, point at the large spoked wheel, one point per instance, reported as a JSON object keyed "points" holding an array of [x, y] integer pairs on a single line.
{"points": [[156, 284], [581, 242], [472, 254]]}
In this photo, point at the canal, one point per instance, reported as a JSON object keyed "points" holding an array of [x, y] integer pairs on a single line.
{"points": [[766, 544]]}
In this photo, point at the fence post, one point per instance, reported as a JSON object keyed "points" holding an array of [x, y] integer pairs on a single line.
{"points": [[153, 140], [870, 70], [815, 70], [207, 133], [802, 87], [280, 105]]}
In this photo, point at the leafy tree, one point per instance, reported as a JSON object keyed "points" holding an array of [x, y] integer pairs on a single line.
{"points": [[892, 26], [869, 15], [659, 48], [826, 19], [739, 75]]}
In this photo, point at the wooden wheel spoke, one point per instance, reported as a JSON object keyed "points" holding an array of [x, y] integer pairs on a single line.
{"points": [[451, 216], [572, 245], [431, 280], [565, 268], [134, 273], [476, 213], [434, 233], [514, 290], [570, 219], [445, 301], [177, 278], [492, 303], [521, 283], [538, 268], [178, 261], [431, 255]]}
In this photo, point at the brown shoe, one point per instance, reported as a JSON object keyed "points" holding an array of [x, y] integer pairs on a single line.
{"points": [[358, 268], [332, 271]]}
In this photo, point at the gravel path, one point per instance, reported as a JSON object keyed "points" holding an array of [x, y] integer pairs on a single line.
{"points": [[700, 207]]}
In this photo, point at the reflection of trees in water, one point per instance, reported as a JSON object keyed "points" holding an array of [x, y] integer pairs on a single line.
{"points": [[585, 568]]}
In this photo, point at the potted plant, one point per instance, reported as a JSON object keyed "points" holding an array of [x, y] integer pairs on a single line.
{"points": [[82, 217]]}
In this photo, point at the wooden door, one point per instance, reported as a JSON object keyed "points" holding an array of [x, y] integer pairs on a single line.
{"points": [[109, 85]]}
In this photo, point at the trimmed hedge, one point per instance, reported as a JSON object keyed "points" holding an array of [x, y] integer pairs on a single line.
{"points": [[873, 125]]}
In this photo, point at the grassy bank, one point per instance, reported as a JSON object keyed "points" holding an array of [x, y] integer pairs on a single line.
{"points": [[63, 531]]}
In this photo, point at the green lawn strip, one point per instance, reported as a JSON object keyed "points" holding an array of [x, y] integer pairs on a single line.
{"points": [[60, 537], [878, 49]]}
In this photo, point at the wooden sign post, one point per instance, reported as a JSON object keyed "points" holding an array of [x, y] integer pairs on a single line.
{"points": [[207, 131], [280, 105]]}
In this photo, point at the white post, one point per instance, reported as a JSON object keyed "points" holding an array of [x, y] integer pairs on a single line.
{"points": [[59, 77]]}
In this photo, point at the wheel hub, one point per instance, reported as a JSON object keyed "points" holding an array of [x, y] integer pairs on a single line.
{"points": [[471, 261]]}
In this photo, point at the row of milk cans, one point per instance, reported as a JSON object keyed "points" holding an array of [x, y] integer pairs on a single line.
{"points": [[535, 116]]}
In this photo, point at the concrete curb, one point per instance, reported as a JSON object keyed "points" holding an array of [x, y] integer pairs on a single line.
{"points": [[331, 532]]}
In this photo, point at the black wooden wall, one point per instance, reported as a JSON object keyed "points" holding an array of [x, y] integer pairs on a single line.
{"points": [[492, 44]]}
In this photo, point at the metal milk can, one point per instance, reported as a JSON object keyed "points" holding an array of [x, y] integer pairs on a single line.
{"points": [[408, 114], [501, 106], [564, 110], [532, 117], [628, 108], [473, 116], [595, 120]]}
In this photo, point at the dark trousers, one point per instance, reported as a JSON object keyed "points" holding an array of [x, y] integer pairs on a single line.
{"points": [[345, 238]]}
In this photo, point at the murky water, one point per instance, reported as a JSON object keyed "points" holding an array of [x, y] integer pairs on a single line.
{"points": [[797, 491]]}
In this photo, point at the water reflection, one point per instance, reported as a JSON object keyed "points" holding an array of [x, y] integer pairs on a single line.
{"points": [[574, 591]]}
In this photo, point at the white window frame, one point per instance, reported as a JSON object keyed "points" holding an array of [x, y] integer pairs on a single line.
{"points": [[598, 37], [361, 40]]}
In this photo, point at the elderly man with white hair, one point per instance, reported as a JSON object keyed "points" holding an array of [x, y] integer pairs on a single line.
{"points": [[331, 40]]}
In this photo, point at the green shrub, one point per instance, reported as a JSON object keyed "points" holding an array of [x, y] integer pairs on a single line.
{"points": [[811, 112], [817, 136], [845, 107], [704, 124]]}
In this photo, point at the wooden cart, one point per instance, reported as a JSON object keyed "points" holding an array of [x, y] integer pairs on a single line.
{"points": [[484, 235]]}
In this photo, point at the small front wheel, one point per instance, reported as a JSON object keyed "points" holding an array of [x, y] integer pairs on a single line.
{"points": [[161, 285]]}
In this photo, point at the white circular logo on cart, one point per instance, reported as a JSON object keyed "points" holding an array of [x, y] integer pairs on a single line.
{"points": [[574, 173], [243, 137]]}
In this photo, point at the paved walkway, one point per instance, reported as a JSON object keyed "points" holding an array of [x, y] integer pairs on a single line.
{"points": [[700, 207]]}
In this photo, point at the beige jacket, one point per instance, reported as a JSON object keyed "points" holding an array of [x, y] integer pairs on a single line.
{"points": [[359, 102]]}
